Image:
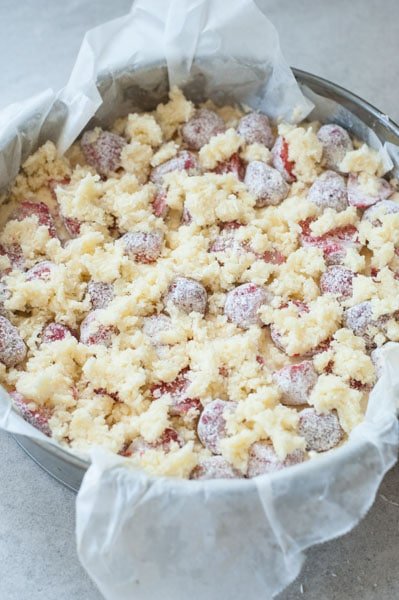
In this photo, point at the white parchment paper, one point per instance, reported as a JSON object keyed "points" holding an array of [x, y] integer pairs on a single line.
{"points": [[146, 538]]}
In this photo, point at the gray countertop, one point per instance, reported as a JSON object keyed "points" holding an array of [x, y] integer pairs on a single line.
{"points": [[352, 43]]}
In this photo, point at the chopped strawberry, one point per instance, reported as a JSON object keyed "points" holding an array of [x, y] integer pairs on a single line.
{"points": [[14, 255], [41, 211], [243, 303], [159, 204], [233, 165], [94, 332], [296, 382], [334, 243], [228, 225], [72, 226], [54, 332], [361, 197], [53, 183], [281, 161], [103, 150], [41, 270], [212, 424], [181, 404], [104, 392], [215, 467], [38, 417], [274, 257]]}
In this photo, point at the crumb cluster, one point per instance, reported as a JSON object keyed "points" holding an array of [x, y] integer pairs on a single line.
{"points": [[199, 289]]}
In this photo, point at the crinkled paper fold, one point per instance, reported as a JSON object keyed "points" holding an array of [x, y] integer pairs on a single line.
{"points": [[146, 538]]}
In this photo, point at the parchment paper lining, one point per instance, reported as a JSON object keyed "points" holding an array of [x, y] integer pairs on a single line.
{"points": [[140, 536]]}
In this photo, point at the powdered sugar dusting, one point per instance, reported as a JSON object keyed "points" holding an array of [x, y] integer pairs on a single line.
{"points": [[100, 293], [263, 459], [38, 417], [255, 129], [103, 151], [321, 431], [243, 303], [281, 161], [201, 127], [337, 280], [188, 295], [12, 346], [183, 161], [143, 247], [296, 382], [265, 184], [329, 191], [215, 467], [93, 332], [336, 143], [212, 424]]}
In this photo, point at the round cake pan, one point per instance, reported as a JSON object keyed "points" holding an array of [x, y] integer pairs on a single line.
{"points": [[69, 469]]}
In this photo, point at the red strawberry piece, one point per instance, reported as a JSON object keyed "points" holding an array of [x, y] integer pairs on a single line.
{"points": [[363, 198], [94, 332], [329, 191], [263, 459], [103, 150], [143, 247], [274, 257], [100, 293], [243, 303], [188, 295], [230, 225], [54, 183], [41, 211], [375, 212], [105, 392], [72, 226], [201, 128], [233, 165], [12, 346], [168, 438], [333, 243], [41, 270], [182, 404], [281, 162], [55, 332], [255, 128], [336, 143], [265, 184], [278, 339], [321, 431], [183, 161], [337, 280], [215, 467], [14, 255], [212, 424], [296, 382], [139, 446], [154, 325], [159, 204], [227, 241], [38, 417], [355, 384], [359, 319]]}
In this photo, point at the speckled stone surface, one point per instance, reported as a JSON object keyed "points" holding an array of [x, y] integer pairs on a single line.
{"points": [[352, 43]]}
